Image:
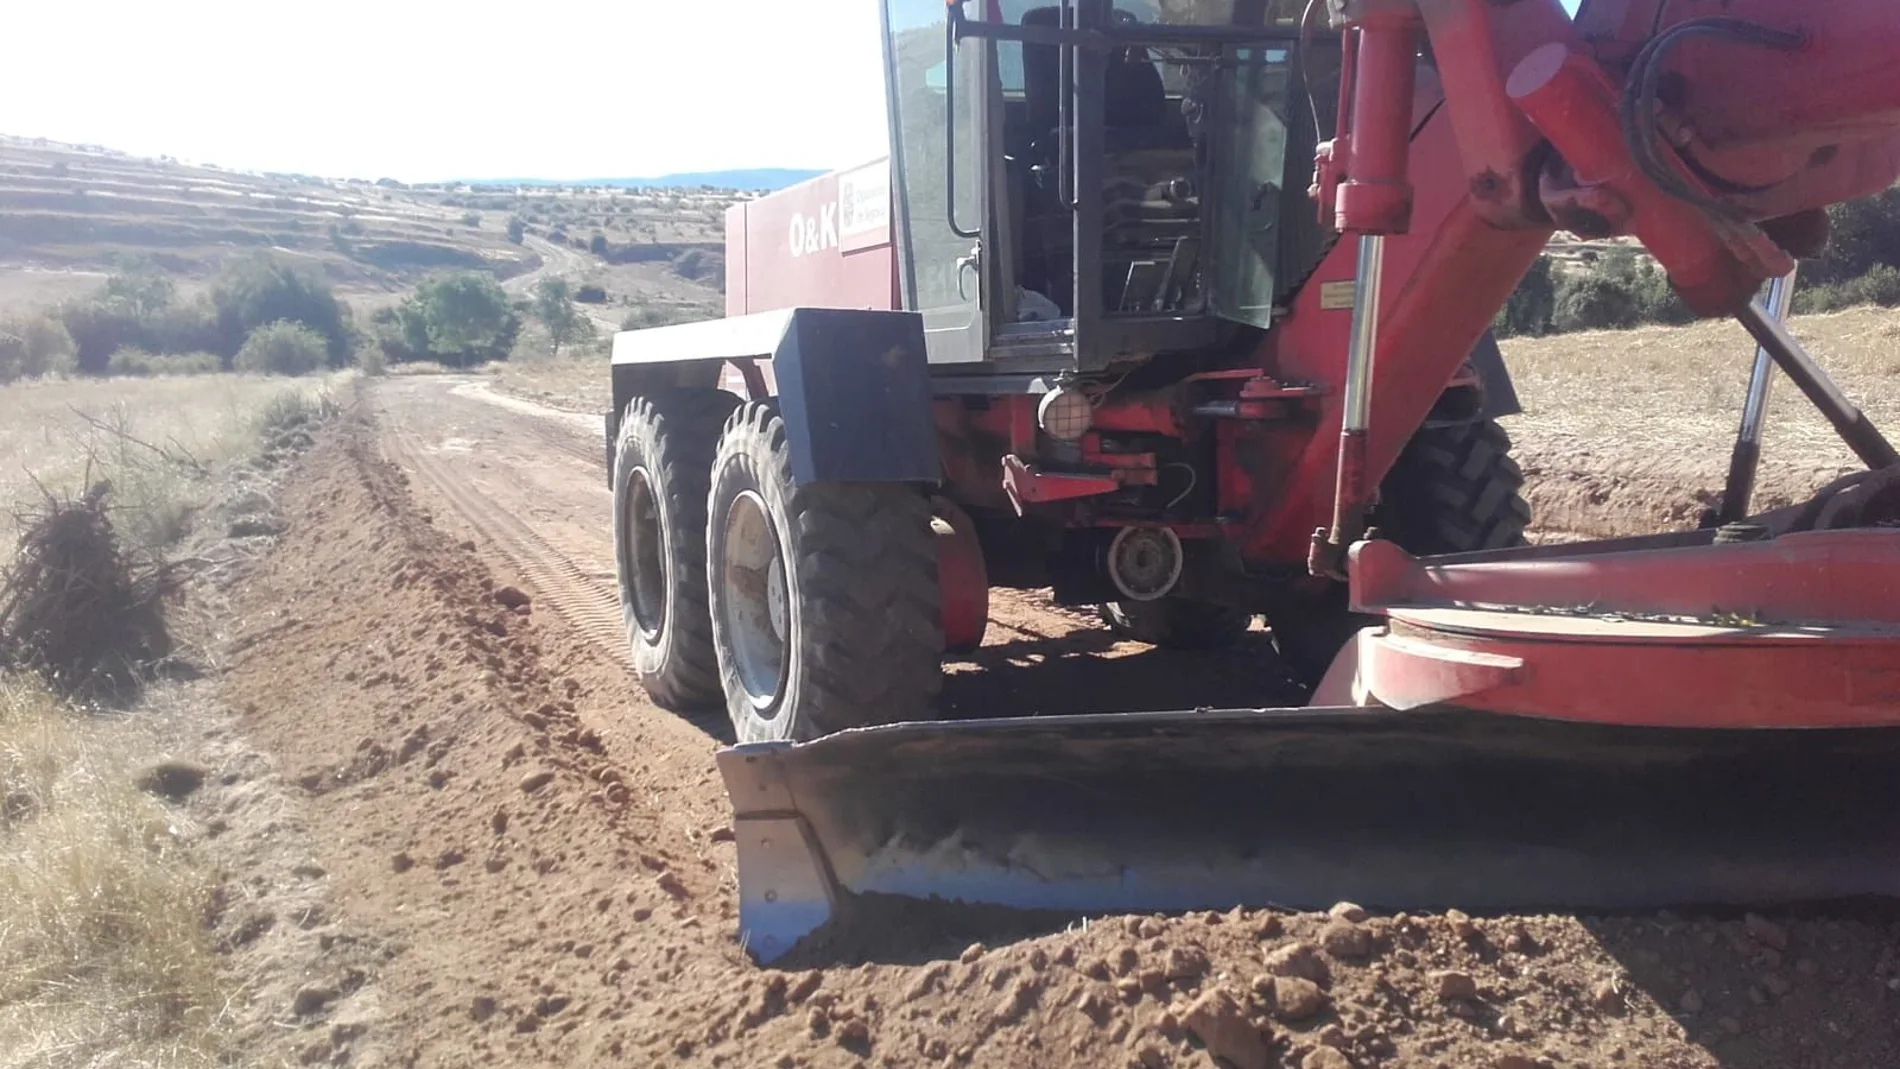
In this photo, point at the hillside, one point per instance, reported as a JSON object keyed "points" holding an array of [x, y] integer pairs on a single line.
{"points": [[755, 180], [69, 215]]}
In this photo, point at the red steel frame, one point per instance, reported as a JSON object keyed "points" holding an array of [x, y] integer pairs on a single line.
{"points": [[1803, 631], [1528, 139]]}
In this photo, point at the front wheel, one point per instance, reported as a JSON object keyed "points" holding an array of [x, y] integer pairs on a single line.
{"points": [[825, 604]]}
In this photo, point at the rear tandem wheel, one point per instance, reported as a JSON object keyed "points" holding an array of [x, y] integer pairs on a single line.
{"points": [[661, 466]]}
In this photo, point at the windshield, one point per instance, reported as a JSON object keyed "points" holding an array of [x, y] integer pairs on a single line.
{"points": [[1009, 56]]}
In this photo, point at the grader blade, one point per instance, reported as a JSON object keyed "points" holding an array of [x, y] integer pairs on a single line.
{"points": [[1305, 807]]}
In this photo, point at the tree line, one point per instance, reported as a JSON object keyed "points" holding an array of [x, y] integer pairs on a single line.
{"points": [[264, 314], [1621, 288]]}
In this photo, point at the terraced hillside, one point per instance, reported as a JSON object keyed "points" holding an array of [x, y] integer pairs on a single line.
{"points": [[71, 214], [68, 214]]}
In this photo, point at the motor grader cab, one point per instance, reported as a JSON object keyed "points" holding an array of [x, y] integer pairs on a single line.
{"points": [[1181, 309], [1168, 175]]}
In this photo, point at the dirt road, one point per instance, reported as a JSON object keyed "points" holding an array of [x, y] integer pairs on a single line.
{"points": [[431, 656], [531, 481], [556, 261]]}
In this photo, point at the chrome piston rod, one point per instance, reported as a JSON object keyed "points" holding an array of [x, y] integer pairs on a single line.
{"points": [[1745, 461], [1849, 421]]}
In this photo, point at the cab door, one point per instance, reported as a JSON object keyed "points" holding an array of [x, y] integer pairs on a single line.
{"points": [[940, 116]]}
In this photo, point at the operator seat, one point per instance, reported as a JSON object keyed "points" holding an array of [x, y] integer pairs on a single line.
{"points": [[1135, 121], [1133, 96]]}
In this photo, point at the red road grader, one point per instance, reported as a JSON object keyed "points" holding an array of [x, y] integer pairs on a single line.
{"points": [[1179, 308]]}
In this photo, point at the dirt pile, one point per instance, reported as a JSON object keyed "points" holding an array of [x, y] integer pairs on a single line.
{"points": [[545, 861]]}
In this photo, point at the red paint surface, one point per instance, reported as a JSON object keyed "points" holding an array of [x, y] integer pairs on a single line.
{"points": [[828, 267]]}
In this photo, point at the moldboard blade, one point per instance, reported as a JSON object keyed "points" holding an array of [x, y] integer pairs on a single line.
{"points": [[1306, 807]]}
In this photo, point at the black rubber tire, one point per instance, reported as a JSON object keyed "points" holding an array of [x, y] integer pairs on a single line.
{"points": [[1177, 623], [1454, 489], [670, 437], [862, 639]]}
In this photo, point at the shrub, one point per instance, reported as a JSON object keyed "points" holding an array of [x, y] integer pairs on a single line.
{"points": [[471, 219], [292, 411], [99, 328], [1534, 303], [185, 328], [597, 244], [662, 316], [1595, 301], [1863, 234], [133, 362], [262, 289], [34, 346], [12, 357], [190, 364], [1825, 297], [1656, 300], [283, 348], [1880, 285], [516, 229], [695, 264]]}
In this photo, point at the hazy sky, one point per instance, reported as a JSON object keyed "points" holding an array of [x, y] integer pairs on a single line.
{"points": [[427, 89]]}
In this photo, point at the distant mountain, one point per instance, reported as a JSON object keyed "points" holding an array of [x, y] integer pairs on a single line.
{"points": [[758, 179]]}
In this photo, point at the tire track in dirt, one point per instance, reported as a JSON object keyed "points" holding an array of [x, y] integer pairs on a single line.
{"points": [[576, 592]]}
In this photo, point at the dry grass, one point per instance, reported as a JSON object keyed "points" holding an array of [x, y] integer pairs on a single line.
{"points": [[1669, 391], [104, 955], [1629, 432], [577, 383], [159, 441]]}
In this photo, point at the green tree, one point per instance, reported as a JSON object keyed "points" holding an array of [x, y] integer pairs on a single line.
{"points": [[283, 348], [460, 319], [262, 289], [554, 308], [1861, 234]]}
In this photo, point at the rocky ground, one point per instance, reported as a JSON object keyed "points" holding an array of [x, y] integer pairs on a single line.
{"points": [[454, 832]]}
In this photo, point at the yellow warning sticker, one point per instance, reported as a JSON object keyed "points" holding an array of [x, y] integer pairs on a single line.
{"points": [[1336, 296]]}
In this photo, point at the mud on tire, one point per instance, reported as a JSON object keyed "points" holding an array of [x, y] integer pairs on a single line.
{"points": [[824, 597], [1177, 623], [662, 471]]}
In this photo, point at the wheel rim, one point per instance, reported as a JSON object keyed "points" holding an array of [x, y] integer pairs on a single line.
{"points": [[757, 614], [645, 565]]}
